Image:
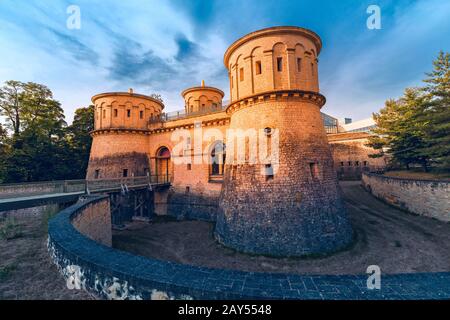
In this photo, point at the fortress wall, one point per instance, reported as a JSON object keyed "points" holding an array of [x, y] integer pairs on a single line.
{"points": [[94, 221], [264, 51], [192, 195], [351, 155], [114, 151], [427, 198], [124, 110]]}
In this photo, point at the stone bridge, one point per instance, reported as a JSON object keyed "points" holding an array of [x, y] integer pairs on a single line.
{"points": [[131, 197]]}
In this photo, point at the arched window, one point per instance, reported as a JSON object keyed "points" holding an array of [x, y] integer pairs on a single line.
{"points": [[217, 163], [163, 165]]}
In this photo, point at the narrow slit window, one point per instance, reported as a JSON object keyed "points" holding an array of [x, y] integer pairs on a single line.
{"points": [[280, 64], [349, 163], [97, 174], [258, 67], [115, 113], [357, 163], [241, 74], [189, 166], [365, 163], [314, 170], [128, 113], [312, 69], [299, 64], [125, 173], [141, 114]]}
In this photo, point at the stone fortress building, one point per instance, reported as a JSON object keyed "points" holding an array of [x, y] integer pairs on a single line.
{"points": [[285, 202]]}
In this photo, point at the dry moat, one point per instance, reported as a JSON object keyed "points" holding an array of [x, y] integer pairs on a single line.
{"points": [[396, 241]]}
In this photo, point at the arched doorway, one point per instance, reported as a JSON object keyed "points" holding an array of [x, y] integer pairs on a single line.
{"points": [[163, 165], [217, 162]]}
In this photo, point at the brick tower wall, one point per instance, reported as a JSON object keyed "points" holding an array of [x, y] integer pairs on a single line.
{"points": [[299, 210], [120, 139]]}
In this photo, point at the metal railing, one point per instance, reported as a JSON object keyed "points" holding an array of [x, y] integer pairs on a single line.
{"points": [[181, 114], [125, 183]]}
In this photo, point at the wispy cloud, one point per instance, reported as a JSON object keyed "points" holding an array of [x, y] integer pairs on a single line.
{"points": [[165, 46]]}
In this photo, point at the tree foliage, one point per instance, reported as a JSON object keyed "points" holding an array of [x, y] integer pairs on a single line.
{"points": [[40, 145], [415, 129]]}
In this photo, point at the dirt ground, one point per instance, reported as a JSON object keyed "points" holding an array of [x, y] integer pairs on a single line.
{"points": [[396, 241], [392, 239], [26, 271]]}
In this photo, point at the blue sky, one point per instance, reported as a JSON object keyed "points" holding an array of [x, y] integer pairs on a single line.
{"points": [[165, 46]]}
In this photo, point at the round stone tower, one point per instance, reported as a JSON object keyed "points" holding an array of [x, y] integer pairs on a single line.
{"points": [[287, 202], [120, 143], [202, 99]]}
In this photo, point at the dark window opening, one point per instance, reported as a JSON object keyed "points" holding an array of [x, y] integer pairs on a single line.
{"points": [[128, 113], [188, 189], [280, 64], [314, 170], [241, 74], [189, 166], [349, 163], [125, 173], [258, 67], [97, 174], [141, 114], [365, 163], [342, 164], [299, 64], [312, 69], [357, 163], [268, 171], [116, 112], [217, 160]]}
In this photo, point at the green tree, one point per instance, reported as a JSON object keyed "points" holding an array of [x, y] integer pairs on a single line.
{"points": [[399, 130], [37, 124], [80, 140], [436, 115]]}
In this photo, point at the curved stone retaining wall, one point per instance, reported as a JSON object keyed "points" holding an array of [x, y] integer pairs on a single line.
{"points": [[113, 274], [423, 197]]}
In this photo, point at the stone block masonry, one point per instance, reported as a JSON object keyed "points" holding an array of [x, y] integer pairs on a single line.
{"points": [[112, 274], [423, 197]]}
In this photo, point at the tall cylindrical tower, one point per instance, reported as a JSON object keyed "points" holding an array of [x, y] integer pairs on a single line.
{"points": [[286, 203], [120, 143]]}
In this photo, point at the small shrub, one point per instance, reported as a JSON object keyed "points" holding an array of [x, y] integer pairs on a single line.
{"points": [[10, 229]]}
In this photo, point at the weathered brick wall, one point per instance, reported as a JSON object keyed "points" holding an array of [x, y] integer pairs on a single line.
{"points": [[113, 151], [94, 221], [124, 110], [294, 213], [427, 198], [351, 155]]}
